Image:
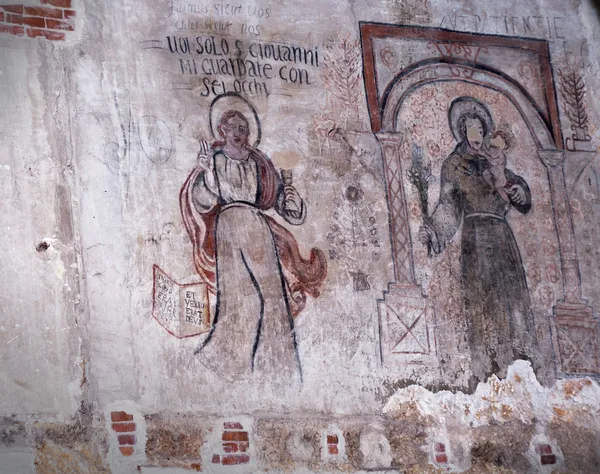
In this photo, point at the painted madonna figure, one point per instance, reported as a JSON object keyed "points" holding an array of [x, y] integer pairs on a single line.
{"points": [[498, 318], [246, 257]]}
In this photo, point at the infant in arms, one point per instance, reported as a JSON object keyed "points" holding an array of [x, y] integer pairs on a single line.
{"points": [[495, 175]]}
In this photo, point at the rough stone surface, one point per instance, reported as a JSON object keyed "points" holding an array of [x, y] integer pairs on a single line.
{"points": [[175, 444], [12, 433], [54, 459], [375, 448]]}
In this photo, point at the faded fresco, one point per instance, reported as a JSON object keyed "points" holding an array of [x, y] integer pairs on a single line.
{"points": [[250, 261], [457, 149], [315, 236], [477, 191], [466, 123]]}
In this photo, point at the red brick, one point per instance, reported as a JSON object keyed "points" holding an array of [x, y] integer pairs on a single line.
{"points": [[59, 25], [123, 427], [126, 439], [216, 459], [58, 3], [16, 19], [333, 449], [230, 447], [441, 459], [13, 8], [34, 21], [12, 29], [46, 12], [51, 35], [332, 439], [232, 426], [548, 459], [235, 436], [120, 416], [231, 459], [244, 447], [543, 449], [440, 448], [69, 14], [126, 450]]}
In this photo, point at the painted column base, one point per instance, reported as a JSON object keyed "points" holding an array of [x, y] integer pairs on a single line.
{"points": [[575, 336], [406, 327]]}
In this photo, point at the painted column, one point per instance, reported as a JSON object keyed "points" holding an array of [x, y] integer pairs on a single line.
{"points": [[575, 335], [399, 230], [405, 317], [553, 160]]}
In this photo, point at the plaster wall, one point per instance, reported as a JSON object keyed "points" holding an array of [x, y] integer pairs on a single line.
{"points": [[377, 365]]}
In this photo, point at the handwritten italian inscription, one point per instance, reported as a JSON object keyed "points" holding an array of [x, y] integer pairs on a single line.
{"points": [[236, 65]]}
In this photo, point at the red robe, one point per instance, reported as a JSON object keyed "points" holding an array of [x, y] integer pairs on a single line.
{"points": [[302, 276]]}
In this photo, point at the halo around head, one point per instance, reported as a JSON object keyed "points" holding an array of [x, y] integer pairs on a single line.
{"points": [[234, 101], [468, 105]]}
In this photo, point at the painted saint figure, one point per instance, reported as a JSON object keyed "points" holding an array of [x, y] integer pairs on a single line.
{"points": [[495, 175], [246, 257], [499, 321]]}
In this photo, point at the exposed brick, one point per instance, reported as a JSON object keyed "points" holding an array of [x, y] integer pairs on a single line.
{"points": [[34, 21], [548, 459], [232, 426], [126, 439], [69, 13], [12, 29], [120, 416], [58, 3], [46, 12], [441, 458], [123, 427], [235, 436], [332, 449], [1, 16], [232, 459], [16, 19], [216, 459], [59, 25], [230, 447], [13, 8], [51, 35], [440, 448], [543, 449], [126, 450], [332, 439], [243, 447]]}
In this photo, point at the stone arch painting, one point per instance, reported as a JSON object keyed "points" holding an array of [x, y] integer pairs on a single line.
{"points": [[465, 122]]}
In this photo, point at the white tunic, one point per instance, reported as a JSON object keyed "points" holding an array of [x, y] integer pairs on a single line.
{"points": [[253, 329]]}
